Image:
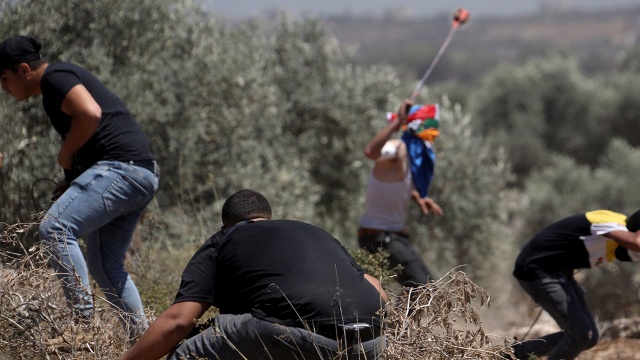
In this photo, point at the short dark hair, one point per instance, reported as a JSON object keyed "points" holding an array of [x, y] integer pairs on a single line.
{"points": [[633, 221], [32, 64], [244, 205]]}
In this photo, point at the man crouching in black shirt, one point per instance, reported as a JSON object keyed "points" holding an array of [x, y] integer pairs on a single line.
{"points": [[285, 290]]}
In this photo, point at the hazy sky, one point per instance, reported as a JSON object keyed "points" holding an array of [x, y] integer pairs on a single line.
{"points": [[246, 8]]}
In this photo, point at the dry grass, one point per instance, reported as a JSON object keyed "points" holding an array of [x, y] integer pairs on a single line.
{"points": [[35, 322], [439, 321], [435, 321]]}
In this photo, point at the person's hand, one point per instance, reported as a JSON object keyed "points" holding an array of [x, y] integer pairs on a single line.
{"points": [[62, 186], [403, 111], [429, 206], [432, 207]]}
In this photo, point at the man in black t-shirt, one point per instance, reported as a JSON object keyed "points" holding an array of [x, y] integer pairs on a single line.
{"points": [[285, 290], [545, 268], [110, 175]]}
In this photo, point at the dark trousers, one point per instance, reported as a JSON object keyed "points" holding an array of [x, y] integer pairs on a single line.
{"points": [[242, 337], [560, 295], [402, 252]]}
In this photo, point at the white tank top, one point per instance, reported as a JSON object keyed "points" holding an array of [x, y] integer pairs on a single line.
{"points": [[386, 204]]}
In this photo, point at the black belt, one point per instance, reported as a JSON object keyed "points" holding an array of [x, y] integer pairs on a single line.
{"points": [[150, 165], [352, 333], [365, 231]]}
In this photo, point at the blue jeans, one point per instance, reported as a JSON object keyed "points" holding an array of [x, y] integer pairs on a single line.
{"points": [[241, 337], [102, 205], [560, 295]]}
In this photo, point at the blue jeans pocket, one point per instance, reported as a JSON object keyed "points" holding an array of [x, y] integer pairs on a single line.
{"points": [[130, 190]]}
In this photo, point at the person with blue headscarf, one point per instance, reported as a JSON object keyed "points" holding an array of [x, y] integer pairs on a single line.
{"points": [[402, 171]]}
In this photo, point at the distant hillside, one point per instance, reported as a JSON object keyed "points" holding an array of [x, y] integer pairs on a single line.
{"points": [[596, 37]]}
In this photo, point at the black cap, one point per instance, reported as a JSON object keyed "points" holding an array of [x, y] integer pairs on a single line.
{"points": [[18, 49], [633, 221]]}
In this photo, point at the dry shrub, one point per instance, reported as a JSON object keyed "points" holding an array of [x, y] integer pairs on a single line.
{"points": [[439, 321], [434, 321], [35, 322]]}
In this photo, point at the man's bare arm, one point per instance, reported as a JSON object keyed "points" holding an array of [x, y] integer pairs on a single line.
{"points": [[628, 239], [167, 331], [376, 283], [373, 148], [86, 115]]}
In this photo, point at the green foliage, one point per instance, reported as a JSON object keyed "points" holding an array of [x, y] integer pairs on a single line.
{"points": [[566, 188], [631, 60], [623, 108], [376, 264], [544, 106], [545, 187], [456, 93]]}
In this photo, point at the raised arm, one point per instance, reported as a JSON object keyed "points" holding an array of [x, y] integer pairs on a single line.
{"points": [[374, 147]]}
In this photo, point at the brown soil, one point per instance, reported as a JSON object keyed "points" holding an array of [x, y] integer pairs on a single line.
{"points": [[619, 339], [613, 349]]}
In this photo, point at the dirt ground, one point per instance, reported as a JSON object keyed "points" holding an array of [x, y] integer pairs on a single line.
{"points": [[619, 339], [613, 349]]}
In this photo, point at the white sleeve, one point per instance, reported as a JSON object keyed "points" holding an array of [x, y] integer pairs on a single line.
{"points": [[389, 151], [605, 228]]}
